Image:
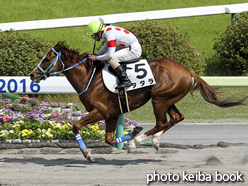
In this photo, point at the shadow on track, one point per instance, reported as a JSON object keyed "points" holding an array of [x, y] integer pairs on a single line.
{"points": [[76, 162]]}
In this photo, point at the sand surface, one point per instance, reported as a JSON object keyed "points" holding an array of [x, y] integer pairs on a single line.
{"points": [[57, 166]]}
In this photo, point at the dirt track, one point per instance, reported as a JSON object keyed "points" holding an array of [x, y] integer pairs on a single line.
{"points": [[67, 166]]}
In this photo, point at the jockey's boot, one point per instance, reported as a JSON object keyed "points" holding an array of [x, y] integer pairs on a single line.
{"points": [[123, 79]]}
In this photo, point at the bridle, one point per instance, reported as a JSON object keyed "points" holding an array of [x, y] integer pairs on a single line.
{"points": [[50, 68]]}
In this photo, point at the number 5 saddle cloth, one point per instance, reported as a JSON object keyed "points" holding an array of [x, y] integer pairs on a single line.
{"points": [[138, 72]]}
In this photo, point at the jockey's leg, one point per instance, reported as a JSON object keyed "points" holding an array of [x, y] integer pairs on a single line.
{"points": [[124, 54], [121, 73]]}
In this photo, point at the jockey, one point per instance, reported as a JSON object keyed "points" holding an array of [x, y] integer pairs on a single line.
{"points": [[119, 45]]}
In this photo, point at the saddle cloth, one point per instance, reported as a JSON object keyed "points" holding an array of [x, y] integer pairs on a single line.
{"points": [[138, 72]]}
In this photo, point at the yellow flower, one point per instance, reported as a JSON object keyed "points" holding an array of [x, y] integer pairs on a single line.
{"points": [[101, 132], [95, 127]]}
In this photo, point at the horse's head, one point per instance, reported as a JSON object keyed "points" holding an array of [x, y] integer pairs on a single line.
{"points": [[50, 64]]}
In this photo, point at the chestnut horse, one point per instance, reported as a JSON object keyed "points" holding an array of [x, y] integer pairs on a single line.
{"points": [[173, 82]]}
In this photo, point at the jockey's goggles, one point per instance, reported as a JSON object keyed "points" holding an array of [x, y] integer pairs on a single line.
{"points": [[94, 35]]}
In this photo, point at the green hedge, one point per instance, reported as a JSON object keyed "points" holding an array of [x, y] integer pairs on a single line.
{"points": [[20, 52], [232, 47]]}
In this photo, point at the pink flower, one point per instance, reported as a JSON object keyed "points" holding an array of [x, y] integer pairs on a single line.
{"points": [[24, 98], [54, 114], [5, 118]]}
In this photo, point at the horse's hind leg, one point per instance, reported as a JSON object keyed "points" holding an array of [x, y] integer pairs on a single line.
{"points": [[160, 110], [176, 116]]}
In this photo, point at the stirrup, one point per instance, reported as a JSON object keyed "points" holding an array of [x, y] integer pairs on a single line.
{"points": [[123, 85]]}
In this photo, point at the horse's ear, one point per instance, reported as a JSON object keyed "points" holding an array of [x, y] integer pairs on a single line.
{"points": [[60, 43]]}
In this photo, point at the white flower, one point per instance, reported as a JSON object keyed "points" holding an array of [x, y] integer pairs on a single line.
{"points": [[130, 127], [4, 132]]}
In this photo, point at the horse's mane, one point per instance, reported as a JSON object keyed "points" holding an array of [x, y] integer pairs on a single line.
{"points": [[73, 55]]}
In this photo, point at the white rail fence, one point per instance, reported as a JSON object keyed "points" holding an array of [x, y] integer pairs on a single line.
{"points": [[60, 85], [126, 17]]}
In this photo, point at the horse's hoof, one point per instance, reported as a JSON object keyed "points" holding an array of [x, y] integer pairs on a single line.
{"points": [[155, 143], [140, 138], [131, 146], [138, 129], [90, 158]]}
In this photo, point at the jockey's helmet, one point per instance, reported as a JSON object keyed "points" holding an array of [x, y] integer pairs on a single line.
{"points": [[94, 27]]}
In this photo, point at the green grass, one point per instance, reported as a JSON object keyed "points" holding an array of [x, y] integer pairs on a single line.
{"points": [[202, 29]]}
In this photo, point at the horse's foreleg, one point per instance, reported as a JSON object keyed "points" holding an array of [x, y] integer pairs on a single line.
{"points": [[92, 117], [110, 129]]}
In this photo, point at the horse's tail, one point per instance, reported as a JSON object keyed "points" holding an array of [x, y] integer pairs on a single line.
{"points": [[210, 95]]}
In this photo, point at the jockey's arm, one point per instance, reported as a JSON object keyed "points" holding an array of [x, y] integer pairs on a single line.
{"points": [[103, 50], [108, 55]]}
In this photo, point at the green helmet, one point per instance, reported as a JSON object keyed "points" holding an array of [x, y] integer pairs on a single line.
{"points": [[94, 27]]}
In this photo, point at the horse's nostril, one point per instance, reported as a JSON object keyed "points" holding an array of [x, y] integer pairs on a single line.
{"points": [[32, 76]]}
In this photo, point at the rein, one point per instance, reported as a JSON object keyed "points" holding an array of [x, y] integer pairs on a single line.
{"points": [[50, 68]]}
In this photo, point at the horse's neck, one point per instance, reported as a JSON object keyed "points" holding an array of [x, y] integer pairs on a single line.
{"points": [[78, 77]]}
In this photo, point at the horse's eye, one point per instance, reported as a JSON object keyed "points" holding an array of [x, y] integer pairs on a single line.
{"points": [[46, 59]]}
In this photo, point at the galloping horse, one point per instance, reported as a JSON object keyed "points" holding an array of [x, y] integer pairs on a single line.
{"points": [[173, 82]]}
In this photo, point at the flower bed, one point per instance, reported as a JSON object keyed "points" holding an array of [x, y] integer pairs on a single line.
{"points": [[30, 119]]}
